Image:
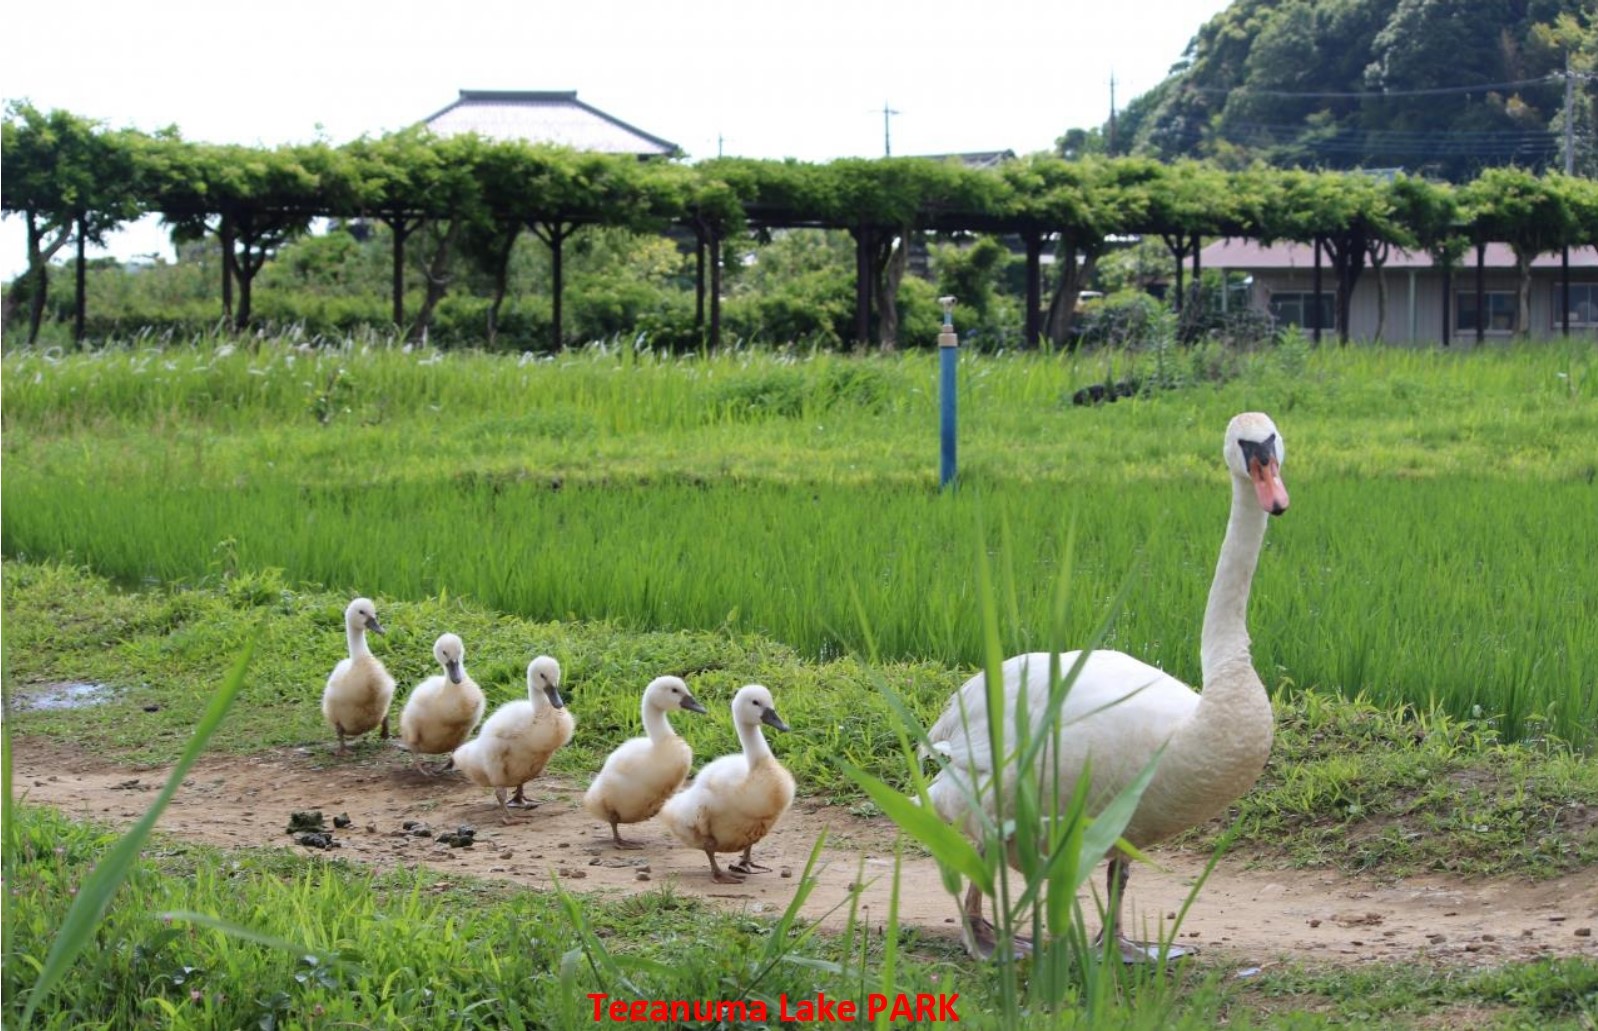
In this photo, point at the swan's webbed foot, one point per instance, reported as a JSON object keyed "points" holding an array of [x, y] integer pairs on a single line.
{"points": [[748, 865], [978, 934], [981, 939], [1135, 952]]}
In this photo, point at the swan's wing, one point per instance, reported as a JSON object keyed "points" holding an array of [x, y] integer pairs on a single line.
{"points": [[1116, 714]]}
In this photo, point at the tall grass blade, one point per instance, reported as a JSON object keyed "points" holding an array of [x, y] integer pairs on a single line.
{"points": [[243, 933], [948, 846], [97, 890]]}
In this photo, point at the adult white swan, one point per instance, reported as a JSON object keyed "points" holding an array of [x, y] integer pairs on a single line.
{"points": [[1120, 711]]}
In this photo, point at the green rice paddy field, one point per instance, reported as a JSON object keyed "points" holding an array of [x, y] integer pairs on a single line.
{"points": [[1429, 604], [1441, 551]]}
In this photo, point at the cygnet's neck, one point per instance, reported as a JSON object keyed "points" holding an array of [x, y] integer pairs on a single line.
{"points": [[656, 723], [754, 742], [356, 636]]}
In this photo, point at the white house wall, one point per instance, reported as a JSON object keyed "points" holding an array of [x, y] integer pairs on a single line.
{"points": [[1426, 327]]}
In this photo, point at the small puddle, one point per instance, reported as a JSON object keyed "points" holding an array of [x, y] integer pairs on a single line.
{"points": [[67, 695]]}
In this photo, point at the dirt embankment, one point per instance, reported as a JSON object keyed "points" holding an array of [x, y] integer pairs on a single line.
{"points": [[1244, 917]]}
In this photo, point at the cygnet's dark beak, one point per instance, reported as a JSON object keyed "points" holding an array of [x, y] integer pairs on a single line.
{"points": [[770, 718], [453, 668], [553, 694], [374, 626], [691, 703]]}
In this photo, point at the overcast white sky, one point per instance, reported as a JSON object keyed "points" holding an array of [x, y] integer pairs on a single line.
{"points": [[768, 79]]}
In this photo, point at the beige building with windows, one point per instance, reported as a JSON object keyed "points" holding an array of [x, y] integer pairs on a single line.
{"points": [[1282, 283]]}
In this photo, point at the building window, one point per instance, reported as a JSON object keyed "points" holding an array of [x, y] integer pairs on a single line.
{"points": [[1299, 309], [1583, 306], [1502, 306]]}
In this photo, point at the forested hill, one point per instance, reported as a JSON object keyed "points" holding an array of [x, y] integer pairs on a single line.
{"points": [[1441, 87]]}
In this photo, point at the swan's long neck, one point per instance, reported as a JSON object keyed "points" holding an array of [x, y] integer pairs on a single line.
{"points": [[656, 725], [754, 742], [1224, 645], [357, 638]]}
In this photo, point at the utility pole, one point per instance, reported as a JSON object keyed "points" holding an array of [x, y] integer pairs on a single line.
{"points": [[1109, 144], [887, 143]]}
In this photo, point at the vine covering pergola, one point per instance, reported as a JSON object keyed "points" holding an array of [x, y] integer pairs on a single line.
{"points": [[66, 175]]}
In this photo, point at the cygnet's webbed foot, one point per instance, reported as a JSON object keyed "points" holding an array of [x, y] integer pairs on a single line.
{"points": [[519, 800], [622, 842], [721, 876], [747, 865]]}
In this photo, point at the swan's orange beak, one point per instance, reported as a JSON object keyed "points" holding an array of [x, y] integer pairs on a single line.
{"points": [[1268, 486]]}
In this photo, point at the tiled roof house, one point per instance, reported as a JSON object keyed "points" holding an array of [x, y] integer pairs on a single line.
{"points": [[545, 116]]}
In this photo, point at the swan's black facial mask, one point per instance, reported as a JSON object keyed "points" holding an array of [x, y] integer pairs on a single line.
{"points": [[1264, 468], [1261, 451]]}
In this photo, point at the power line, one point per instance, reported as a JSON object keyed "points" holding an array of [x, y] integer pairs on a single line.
{"points": [[1379, 94], [1421, 145]]}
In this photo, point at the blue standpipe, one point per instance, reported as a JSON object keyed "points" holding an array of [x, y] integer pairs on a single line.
{"points": [[948, 364]]}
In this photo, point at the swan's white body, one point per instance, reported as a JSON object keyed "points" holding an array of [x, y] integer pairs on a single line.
{"points": [[516, 743], [359, 689], [1120, 711], [639, 776], [736, 800], [443, 710]]}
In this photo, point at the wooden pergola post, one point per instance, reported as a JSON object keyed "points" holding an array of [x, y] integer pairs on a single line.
{"points": [[1034, 287]]}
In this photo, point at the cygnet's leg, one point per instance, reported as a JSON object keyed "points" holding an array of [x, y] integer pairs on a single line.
{"points": [[621, 842], [519, 800], [383, 728], [748, 865], [719, 875], [343, 746], [439, 770]]}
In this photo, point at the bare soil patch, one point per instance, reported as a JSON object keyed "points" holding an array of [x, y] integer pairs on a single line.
{"points": [[1246, 916]]}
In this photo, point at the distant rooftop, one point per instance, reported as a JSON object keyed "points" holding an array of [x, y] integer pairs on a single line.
{"points": [[976, 158], [545, 116]]}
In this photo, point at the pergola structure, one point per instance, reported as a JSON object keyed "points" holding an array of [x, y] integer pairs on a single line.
{"points": [[555, 117]]}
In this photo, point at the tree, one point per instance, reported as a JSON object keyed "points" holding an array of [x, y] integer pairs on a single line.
{"points": [[1349, 216], [1531, 214], [408, 180], [1441, 86], [253, 200], [1050, 197], [69, 178]]}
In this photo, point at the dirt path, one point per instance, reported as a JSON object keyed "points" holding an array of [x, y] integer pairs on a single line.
{"points": [[1243, 918]]}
